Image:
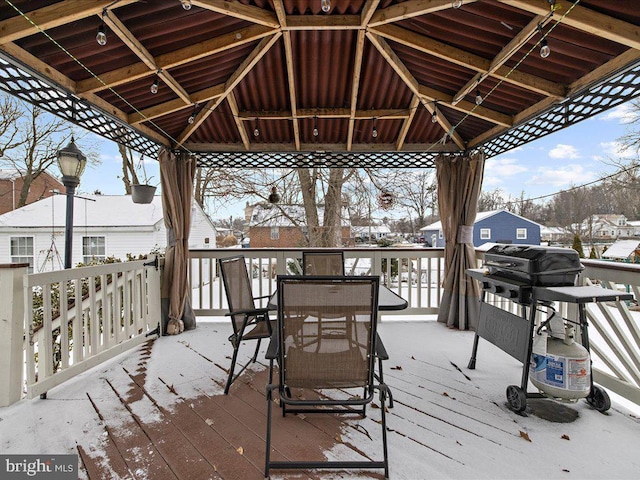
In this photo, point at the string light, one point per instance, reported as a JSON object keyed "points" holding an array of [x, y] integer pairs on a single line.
{"points": [[101, 36], [374, 130], [315, 126], [545, 51], [192, 117], [155, 84], [186, 4], [456, 3], [325, 5], [434, 115], [478, 97], [256, 131]]}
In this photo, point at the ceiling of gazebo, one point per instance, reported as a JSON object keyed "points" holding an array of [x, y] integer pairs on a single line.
{"points": [[309, 81]]}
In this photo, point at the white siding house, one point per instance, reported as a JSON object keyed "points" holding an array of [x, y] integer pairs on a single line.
{"points": [[103, 226]]}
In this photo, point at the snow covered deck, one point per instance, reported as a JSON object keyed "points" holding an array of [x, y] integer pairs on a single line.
{"points": [[158, 412]]}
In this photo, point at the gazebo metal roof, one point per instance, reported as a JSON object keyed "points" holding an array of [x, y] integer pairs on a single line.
{"points": [[356, 86]]}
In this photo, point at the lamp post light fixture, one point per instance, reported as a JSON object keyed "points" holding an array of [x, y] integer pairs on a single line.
{"points": [[71, 162]]}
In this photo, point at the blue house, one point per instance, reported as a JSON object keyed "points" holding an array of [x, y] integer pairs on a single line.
{"points": [[496, 226]]}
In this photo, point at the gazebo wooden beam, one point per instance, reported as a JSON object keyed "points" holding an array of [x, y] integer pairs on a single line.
{"points": [[409, 9], [239, 10], [53, 16], [178, 57], [468, 60], [237, 76], [413, 108], [233, 105]]}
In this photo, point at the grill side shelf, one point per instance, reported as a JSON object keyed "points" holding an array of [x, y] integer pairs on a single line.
{"points": [[507, 331]]}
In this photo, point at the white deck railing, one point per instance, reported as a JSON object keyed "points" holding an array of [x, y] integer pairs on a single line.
{"points": [[119, 304], [110, 319], [416, 274]]}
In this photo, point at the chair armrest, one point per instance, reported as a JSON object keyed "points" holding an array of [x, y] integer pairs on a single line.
{"points": [[263, 296], [381, 352], [272, 349], [253, 311]]}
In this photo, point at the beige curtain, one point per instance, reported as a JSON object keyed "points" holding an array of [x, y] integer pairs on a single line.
{"points": [[176, 176], [459, 182]]}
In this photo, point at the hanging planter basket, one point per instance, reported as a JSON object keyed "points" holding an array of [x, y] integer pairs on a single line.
{"points": [[142, 193]]}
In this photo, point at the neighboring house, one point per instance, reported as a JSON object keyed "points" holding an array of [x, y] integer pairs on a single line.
{"points": [[623, 251], [269, 226], [376, 232], [608, 226], [497, 226], [103, 226], [636, 227], [11, 185], [554, 234]]}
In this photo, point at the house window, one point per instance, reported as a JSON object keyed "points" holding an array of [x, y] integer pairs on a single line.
{"points": [[521, 233], [93, 249], [440, 235], [485, 233], [275, 233], [22, 251]]}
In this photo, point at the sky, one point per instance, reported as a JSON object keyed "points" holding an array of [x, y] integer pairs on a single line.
{"points": [[573, 156]]}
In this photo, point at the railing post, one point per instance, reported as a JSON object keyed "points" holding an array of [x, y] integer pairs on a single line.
{"points": [[153, 293], [11, 331]]}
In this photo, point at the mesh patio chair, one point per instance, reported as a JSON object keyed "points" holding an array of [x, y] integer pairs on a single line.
{"points": [[323, 263], [249, 322], [335, 358]]}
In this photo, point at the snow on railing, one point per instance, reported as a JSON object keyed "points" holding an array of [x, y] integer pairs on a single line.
{"points": [[109, 309], [416, 274]]}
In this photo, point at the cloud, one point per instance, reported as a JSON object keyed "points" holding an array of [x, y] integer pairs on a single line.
{"points": [[572, 174], [623, 113], [562, 151], [498, 169], [617, 149]]}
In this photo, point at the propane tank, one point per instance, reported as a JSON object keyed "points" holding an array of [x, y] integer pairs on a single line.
{"points": [[564, 371]]}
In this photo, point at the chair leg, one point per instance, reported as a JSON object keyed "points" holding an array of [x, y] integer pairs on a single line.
{"points": [[381, 380], [232, 367], [383, 395], [255, 355], [268, 435]]}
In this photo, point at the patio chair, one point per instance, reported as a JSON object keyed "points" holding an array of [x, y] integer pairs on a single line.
{"points": [[339, 360], [249, 322], [323, 263]]}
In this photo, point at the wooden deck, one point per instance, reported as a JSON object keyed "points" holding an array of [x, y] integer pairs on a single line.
{"points": [[163, 416]]}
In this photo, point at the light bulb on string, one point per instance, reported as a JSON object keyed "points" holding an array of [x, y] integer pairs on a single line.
{"points": [[101, 36], [434, 116], [256, 131], [192, 117], [186, 4], [456, 3], [325, 5], [315, 126], [374, 130], [155, 85], [545, 51], [478, 97]]}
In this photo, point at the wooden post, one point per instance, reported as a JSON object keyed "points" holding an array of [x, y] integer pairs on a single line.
{"points": [[11, 331]]}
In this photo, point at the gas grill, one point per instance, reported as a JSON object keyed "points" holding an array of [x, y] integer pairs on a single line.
{"points": [[535, 277], [512, 270]]}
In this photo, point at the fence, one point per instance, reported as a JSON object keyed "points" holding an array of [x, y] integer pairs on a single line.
{"points": [[109, 309]]}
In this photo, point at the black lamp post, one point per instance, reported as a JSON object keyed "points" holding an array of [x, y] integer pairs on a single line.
{"points": [[71, 162]]}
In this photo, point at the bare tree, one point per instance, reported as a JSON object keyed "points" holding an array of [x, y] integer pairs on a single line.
{"points": [[33, 143], [417, 193]]}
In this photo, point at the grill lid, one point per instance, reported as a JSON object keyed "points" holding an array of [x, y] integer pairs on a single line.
{"points": [[537, 265]]}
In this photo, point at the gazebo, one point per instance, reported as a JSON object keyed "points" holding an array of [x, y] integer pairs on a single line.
{"points": [[331, 83]]}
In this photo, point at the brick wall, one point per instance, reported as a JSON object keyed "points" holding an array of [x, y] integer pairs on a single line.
{"points": [[289, 237], [40, 188]]}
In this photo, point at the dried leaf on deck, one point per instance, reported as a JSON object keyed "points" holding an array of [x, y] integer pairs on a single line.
{"points": [[565, 437], [208, 421], [525, 435], [397, 367], [240, 450], [445, 394]]}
